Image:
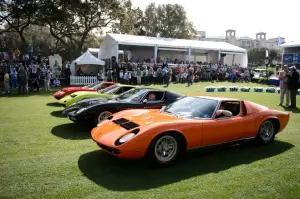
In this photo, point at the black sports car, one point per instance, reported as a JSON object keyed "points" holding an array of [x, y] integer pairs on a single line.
{"points": [[96, 110]]}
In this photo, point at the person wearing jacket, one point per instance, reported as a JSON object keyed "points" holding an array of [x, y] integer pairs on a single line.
{"points": [[22, 79], [293, 85]]}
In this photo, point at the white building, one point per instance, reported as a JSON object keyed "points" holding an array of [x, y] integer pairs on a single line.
{"points": [[141, 47], [260, 41]]}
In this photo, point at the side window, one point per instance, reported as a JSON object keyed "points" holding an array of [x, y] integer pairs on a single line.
{"points": [[154, 96], [233, 106], [119, 91], [126, 88]]}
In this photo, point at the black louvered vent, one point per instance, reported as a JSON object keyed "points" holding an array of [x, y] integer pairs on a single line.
{"points": [[129, 125], [120, 121]]}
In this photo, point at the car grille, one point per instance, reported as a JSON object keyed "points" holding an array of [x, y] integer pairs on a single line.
{"points": [[109, 149], [126, 124]]}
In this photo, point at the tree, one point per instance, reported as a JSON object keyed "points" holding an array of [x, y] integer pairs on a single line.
{"points": [[72, 21], [16, 16], [130, 21], [168, 20]]}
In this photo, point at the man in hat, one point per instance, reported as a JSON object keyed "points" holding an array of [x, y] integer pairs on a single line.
{"points": [[293, 85]]}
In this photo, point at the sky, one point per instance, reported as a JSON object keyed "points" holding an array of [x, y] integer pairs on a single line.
{"points": [[247, 17]]}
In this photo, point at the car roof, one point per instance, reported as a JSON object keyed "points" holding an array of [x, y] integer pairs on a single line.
{"points": [[218, 98]]}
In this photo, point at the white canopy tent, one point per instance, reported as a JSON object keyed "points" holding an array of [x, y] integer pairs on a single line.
{"points": [[212, 50], [86, 59]]}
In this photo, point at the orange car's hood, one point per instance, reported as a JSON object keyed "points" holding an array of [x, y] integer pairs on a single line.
{"points": [[148, 117], [108, 132]]}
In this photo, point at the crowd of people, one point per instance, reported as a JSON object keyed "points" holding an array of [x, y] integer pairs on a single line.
{"points": [[178, 73], [29, 74]]}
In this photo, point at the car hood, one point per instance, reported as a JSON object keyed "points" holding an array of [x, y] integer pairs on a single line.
{"points": [[72, 88], [109, 131], [85, 93], [148, 116], [86, 101]]}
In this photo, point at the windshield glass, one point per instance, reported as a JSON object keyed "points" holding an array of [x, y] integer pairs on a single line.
{"points": [[192, 108], [105, 90], [91, 85], [133, 95]]}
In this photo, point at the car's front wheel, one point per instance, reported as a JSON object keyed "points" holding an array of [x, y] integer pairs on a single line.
{"points": [[102, 116], [164, 149], [266, 133]]}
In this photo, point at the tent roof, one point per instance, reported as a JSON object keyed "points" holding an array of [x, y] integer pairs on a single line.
{"points": [[88, 59], [174, 43], [291, 44], [93, 50]]}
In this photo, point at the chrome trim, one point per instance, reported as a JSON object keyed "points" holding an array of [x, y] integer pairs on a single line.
{"points": [[250, 138]]}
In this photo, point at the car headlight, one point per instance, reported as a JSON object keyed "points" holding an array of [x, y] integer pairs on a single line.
{"points": [[126, 137], [81, 110]]}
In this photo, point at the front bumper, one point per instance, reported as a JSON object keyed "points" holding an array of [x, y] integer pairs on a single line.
{"points": [[75, 118], [69, 110]]}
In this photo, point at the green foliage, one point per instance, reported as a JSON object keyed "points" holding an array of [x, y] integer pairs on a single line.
{"points": [[257, 55], [168, 20]]}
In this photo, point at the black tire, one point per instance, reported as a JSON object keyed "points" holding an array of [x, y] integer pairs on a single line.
{"points": [[152, 155], [98, 115], [266, 132]]}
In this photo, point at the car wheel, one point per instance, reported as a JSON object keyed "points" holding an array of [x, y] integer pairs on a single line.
{"points": [[102, 116], [164, 149], [266, 133]]}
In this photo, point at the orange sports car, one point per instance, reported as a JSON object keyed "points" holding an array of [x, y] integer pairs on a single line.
{"points": [[191, 122]]}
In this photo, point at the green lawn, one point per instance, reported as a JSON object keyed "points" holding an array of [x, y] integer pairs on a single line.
{"points": [[44, 155]]}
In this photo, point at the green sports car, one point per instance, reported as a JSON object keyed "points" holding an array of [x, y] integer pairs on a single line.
{"points": [[108, 92]]}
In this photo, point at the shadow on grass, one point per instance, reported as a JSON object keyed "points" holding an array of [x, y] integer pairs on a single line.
{"points": [[124, 175], [72, 131], [54, 104], [293, 110], [57, 114]]}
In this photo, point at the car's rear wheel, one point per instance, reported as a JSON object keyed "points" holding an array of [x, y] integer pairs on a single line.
{"points": [[266, 133], [164, 149], [102, 116]]}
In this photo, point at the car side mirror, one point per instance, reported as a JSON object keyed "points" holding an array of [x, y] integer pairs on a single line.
{"points": [[145, 101], [162, 108]]}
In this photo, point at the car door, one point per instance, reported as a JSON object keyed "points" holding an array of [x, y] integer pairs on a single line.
{"points": [[222, 130]]}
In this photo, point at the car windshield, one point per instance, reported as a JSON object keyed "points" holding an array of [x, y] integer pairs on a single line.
{"points": [[91, 85], [133, 95], [192, 108], [105, 90]]}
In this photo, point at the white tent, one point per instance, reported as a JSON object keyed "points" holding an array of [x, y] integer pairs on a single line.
{"points": [[110, 47], [88, 59]]}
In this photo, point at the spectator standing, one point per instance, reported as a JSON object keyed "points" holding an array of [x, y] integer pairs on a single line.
{"points": [[47, 79], [139, 76], [6, 82], [284, 90], [22, 79], [14, 81], [293, 85]]}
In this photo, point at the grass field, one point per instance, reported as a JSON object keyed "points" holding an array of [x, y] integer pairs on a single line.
{"points": [[44, 155]]}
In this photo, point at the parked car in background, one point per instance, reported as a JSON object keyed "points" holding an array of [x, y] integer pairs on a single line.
{"points": [[108, 92], [96, 110], [92, 87]]}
